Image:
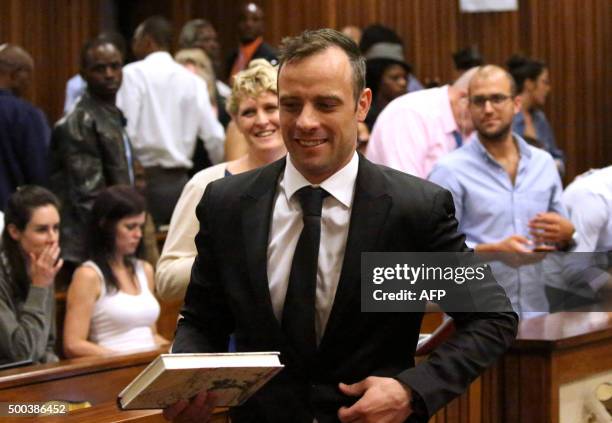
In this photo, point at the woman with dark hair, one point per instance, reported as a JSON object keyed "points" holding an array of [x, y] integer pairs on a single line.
{"points": [[533, 85], [110, 304], [386, 75], [377, 33], [29, 261]]}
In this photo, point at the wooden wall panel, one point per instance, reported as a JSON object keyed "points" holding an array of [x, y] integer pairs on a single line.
{"points": [[52, 31], [573, 36]]}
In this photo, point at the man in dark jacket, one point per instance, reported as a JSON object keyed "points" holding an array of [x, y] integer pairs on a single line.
{"points": [[90, 149], [24, 131], [252, 46]]}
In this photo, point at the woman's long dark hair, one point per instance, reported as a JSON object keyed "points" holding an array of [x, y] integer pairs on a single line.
{"points": [[375, 69], [523, 68], [19, 209], [112, 205]]}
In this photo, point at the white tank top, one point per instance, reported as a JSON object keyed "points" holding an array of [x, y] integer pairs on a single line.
{"points": [[120, 321]]}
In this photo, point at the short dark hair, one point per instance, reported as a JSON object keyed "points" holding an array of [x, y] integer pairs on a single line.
{"points": [[190, 30], [158, 28], [523, 68], [18, 212], [111, 205], [92, 45], [467, 58], [311, 42], [377, 33], [115, 39]]}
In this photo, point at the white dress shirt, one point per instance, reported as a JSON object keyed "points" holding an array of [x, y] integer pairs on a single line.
{"points": [[287, 226], [167, 108], [589, 202]]}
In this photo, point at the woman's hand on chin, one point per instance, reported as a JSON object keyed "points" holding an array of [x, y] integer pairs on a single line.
{"points": [[44, 266]]}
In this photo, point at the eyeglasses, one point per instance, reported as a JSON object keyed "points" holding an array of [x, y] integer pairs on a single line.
{"points": [[496, 100]]}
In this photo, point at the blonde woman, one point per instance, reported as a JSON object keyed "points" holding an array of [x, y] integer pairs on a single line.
{"points": [[253, 106]]}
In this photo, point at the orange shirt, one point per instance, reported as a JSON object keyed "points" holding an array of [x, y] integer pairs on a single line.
{"points": [[245, 53]]}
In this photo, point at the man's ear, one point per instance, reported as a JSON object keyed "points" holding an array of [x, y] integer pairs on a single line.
{"points": [[363, 104], [13, 232], [518, 103]]}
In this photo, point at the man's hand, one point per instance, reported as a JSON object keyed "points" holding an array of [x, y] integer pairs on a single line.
{"points": [[383, 400], [198, 410], [551, 227], [515, 251], [515, 244]]}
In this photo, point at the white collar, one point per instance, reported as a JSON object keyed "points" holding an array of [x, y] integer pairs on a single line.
{"points": [[159, 55], [340, 185]]}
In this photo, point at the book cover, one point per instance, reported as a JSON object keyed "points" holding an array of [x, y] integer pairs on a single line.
{"points": [[233, 377]]}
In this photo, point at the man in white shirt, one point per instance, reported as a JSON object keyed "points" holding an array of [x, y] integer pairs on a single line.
{"points": [[167, 109], [589, 202], [278, 265]]}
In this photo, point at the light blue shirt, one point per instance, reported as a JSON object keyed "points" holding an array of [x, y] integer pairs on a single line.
{"points": [[490, 208], [414, 84], [75, 87]]}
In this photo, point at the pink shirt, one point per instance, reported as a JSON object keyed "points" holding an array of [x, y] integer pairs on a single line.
{"points": [[414, 131]]}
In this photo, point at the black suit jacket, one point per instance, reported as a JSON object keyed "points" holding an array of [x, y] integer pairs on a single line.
{"points": [[228, 293], [264, 51]]}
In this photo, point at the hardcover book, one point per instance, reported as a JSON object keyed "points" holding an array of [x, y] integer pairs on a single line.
{"points": [[233, 377]]}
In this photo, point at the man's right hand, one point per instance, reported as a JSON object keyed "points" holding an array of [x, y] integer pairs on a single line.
{"points": [[515, 251], [515, 244], [198, 410]]}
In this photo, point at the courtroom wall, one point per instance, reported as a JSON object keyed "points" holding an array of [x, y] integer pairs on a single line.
{"points": [[573, 36]]}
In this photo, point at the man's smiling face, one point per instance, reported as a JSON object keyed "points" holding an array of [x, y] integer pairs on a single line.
{"points": [[318, 114]]}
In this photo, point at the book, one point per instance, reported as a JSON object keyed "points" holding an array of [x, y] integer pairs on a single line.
{"points": [[233, 377]]}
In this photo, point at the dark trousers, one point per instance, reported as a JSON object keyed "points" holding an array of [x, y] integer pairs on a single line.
{"points": [[164, 187]]}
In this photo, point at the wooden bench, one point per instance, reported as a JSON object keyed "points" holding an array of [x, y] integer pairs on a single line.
{"points": [[96, 380]]}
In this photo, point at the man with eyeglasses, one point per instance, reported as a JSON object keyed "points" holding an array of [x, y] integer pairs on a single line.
{"points": [[507, 193], [24, 131]]}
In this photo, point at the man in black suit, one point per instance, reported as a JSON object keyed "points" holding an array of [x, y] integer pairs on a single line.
{"points": [[340, 364], [252, 45]]}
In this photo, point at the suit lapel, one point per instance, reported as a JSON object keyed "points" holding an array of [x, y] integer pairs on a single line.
{"points": [[370, 209], [256, 208]]}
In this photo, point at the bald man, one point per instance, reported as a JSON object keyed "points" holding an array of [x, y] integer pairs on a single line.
{"points": [[415, 130], [507, 193], [252, 46], [24, 131]]}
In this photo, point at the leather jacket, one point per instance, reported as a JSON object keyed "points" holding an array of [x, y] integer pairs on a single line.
{"points": [[88, 153]]}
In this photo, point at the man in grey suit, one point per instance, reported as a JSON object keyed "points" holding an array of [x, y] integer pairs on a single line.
{"points": [[252, 277]]}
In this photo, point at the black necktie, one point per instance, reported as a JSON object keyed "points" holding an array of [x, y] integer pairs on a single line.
{"points": [[299, 310]]}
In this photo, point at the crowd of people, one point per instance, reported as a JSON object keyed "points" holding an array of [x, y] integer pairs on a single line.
{"points": [[240, 174]]}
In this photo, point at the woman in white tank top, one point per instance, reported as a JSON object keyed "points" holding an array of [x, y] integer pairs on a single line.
{"points": [[110, 304]]}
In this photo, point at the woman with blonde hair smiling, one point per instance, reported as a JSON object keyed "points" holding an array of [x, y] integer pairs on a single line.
{"points": [[253, 106]]}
